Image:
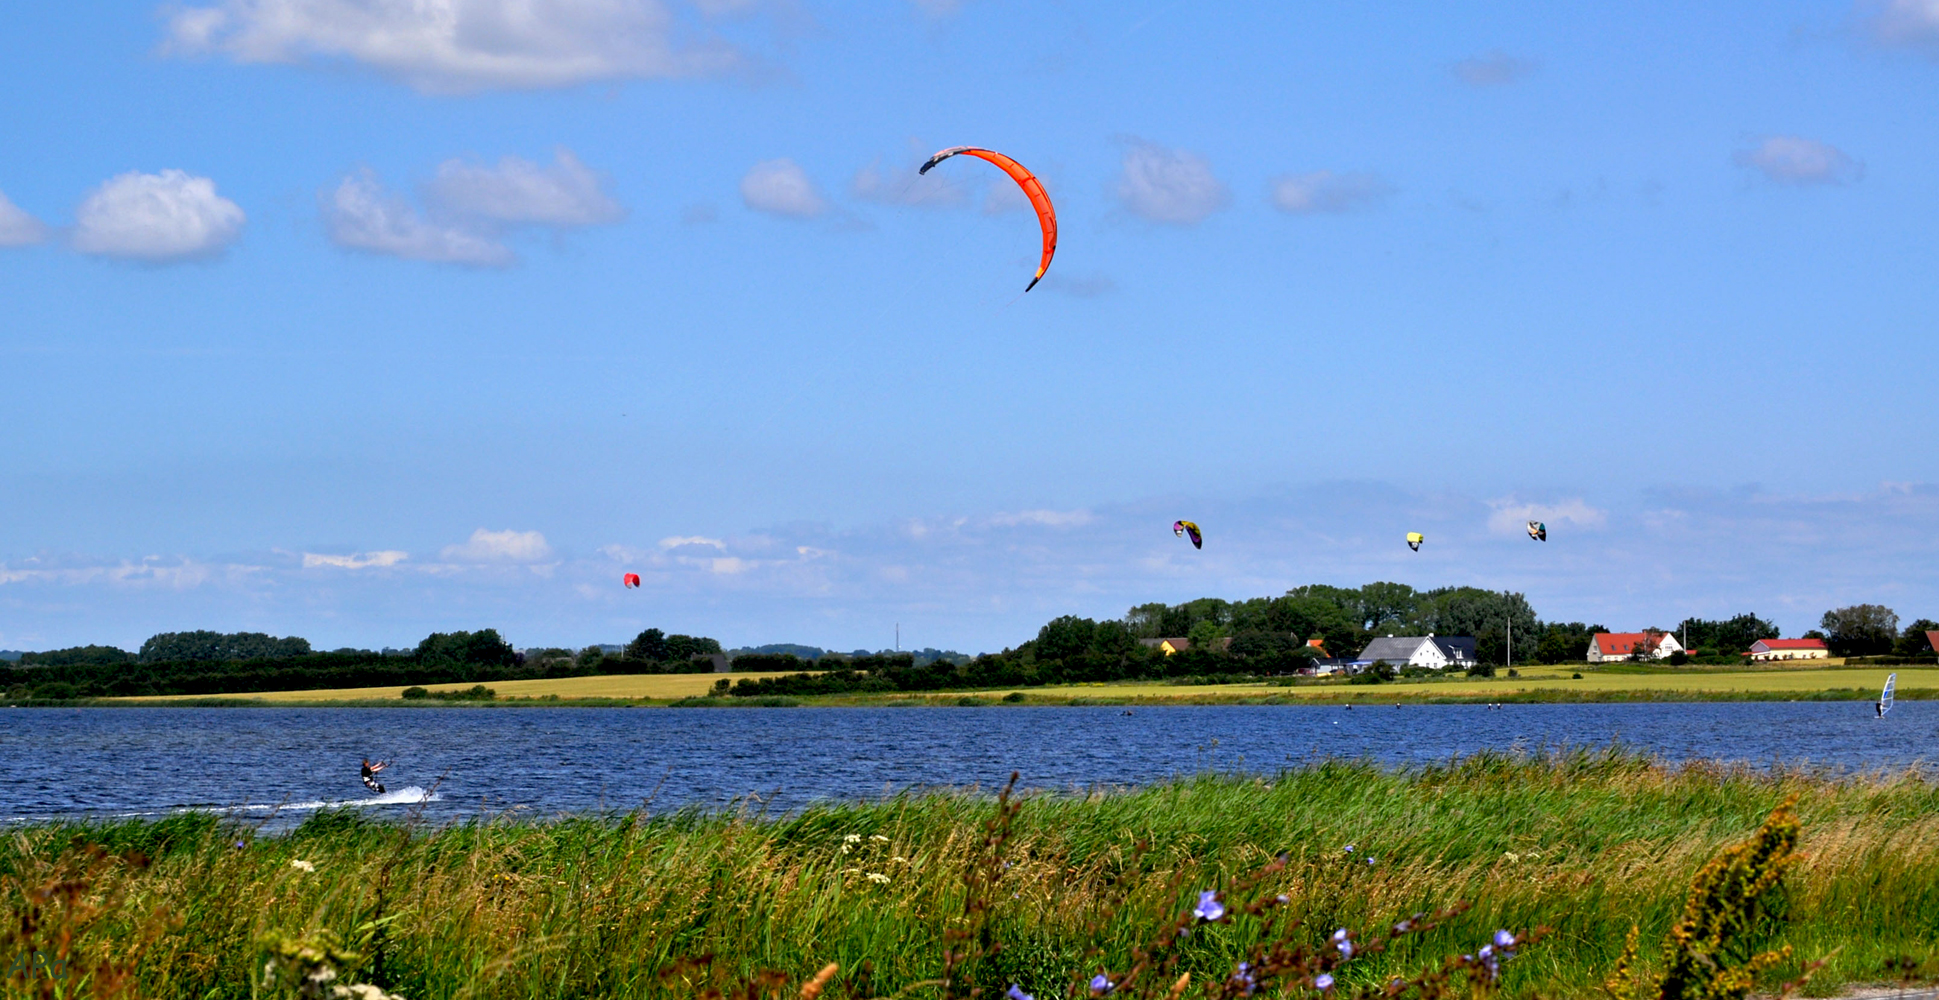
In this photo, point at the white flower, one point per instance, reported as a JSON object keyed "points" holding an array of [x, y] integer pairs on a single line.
{"points": [[877, 877], [852, 838], [880, 838], [301, 865]]}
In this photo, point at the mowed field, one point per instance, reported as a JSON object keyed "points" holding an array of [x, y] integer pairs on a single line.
{"points": [[628, 686], [1778, 683], [1694, 683]]}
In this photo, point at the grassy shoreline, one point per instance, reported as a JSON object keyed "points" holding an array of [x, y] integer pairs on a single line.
{"points": [[1583, 843]]}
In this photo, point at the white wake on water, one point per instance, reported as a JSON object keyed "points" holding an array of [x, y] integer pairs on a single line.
{"points": [[410, 795]]}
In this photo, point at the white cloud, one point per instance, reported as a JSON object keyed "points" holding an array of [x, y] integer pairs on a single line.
{"points": [[680, 541], [1912, 24], [361, 216], [17, 228], [1043, 518], [1328, 192], [360, 560], [1492, 69], [905, 187], [1511, 517], [1169, 185], [729, 566], [456, 46], [520, 191], [501, 546], [781, 187], [1790, 159], [162, 217]]}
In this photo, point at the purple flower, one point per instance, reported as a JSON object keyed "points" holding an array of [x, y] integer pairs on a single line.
{"points": [[1102, 984], [1342, 942], [1323, 981], [1283, 899], [1017, 994], [1245, 978], [1349, 848], [1209, 907], [240, 845], [1369, 859], [1504, 940]]}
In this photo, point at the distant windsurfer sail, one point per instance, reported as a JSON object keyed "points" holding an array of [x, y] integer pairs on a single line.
{"points": [[1885, 698], [370, 775]]}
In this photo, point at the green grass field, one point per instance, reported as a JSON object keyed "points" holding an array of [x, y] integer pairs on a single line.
{"points": [[1614, 682], [611, 686], [1586, 845]]}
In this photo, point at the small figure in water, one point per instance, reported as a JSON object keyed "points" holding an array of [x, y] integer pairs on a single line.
{"points": [[1879, 707], [370, 775]]}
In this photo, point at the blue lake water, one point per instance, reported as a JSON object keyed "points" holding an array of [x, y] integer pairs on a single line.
{"points": [[279, 764]]}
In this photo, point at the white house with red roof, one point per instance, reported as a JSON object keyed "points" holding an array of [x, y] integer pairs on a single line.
{"points": [[1789, 649], [1611, 647]]}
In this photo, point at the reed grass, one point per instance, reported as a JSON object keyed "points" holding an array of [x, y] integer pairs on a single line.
{"points": [[1585, 844]]}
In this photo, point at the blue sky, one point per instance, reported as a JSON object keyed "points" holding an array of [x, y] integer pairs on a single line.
{"points": [[355, 319]]}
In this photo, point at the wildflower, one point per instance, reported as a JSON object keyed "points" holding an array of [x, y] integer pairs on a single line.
{"points": [[879, 838], [1323, 981], [1349, 848], [240, 845], [1246, 979], [852, 838], [877, 877], [1283, 899], [1102, 984], [1369, 859], [302, 866], [1504, 940], [1343, 942], [898, 860], [1018, 994], [1209, 907], [1404, 926], [1485, 958]]}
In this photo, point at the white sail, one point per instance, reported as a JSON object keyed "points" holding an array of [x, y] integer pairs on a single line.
{"points": [[1885, 700]]}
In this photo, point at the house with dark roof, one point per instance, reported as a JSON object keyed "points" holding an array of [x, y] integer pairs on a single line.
{"points": [[1611, 647], [1430, 651]]}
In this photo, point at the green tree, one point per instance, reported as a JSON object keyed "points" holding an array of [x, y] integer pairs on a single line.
{"points": [[1113, 639], [648, 645], [1381, 603], [1733, 635], [1205, 635], [1065, 637], [1484, 614], [168, 647], [1913, 641], [1860, 630], [1564, 642], [481, 648], [75, 655]]}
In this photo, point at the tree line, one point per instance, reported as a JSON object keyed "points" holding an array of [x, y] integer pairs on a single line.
{"points": [[211, 663]]}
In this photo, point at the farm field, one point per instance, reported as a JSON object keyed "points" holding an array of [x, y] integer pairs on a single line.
{"points": [[631, 687], [1542, 681], [1535, 683]]}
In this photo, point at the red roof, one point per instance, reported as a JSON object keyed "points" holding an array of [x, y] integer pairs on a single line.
{"points": [[1619, 643], [1770, 644]]}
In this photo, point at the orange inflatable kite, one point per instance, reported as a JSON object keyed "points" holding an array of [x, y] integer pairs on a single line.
{"points": [[1032, 188]]}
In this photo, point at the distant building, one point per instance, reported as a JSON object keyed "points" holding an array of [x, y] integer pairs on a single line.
{"points": [[1789, 649], [1611, 647], [1318, 644], [1430, 651], [1328, 665]]}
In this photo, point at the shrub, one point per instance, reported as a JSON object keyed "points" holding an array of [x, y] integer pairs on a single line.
{"points": [[414, 693]]}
